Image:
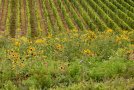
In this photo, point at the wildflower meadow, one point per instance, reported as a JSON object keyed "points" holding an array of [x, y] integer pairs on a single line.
{"points": [[76, 60]]}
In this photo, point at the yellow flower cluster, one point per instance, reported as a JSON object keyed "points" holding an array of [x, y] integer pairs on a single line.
{"points": [[15, 59], [122, 37], [13, 54], [88, 52], [88, 36]]}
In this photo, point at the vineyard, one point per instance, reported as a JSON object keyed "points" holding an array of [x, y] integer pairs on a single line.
{"points": [[32, 18], [66, 44]]}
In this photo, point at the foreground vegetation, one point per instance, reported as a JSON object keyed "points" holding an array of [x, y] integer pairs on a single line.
{"points": [[74, 60]]}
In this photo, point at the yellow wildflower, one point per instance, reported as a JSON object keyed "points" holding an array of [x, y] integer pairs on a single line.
{"points": [[88, 52], [49, 36], [62, 68], [40, 41], [109, 31], [30, 49], [92, 35], [17, 43], [34, 54], [14, 55]]}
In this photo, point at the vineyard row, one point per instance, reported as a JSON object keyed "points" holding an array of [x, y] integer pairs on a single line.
{"points": [[32, 18]]}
